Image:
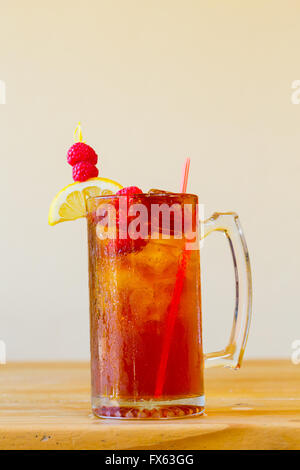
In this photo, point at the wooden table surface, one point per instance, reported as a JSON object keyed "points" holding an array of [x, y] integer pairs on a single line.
{"points": [[47, 406]]}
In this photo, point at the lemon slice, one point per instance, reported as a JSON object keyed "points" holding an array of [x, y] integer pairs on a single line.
{"points": [[70, 202]]}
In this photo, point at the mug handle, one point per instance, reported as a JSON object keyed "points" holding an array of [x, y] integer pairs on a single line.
{"points": [[228, 223]]}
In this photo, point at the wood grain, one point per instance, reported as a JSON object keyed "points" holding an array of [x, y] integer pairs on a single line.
{"points": [[47, 406]]}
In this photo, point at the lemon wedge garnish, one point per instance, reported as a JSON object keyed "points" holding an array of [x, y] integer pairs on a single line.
{"points": [[70, 202]]}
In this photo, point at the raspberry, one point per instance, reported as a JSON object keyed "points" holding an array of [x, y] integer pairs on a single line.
{"points": [[126, 245], [81, 152], [83, 171], [129, 191]]}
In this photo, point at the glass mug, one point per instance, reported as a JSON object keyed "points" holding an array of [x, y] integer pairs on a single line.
{"points": [[147, 359]]}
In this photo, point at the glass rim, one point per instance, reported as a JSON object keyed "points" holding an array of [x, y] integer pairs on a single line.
{"points": [[144, 196]]}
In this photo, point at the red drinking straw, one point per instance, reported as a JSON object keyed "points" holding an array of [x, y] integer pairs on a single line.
{"points": [[173, 307], [185, 175]]}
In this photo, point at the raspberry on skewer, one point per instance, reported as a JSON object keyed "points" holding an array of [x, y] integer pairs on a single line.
{"points": [[82, 158], [83, 171], [81, 152]]}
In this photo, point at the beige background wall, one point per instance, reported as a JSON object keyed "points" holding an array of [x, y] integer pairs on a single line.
{"points": [[152, 82]]}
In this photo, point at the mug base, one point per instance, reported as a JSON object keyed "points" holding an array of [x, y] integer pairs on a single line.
{"points": [[104, 407]]}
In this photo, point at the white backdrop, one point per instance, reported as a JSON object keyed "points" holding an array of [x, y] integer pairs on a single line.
{"points": [[151, 83]]}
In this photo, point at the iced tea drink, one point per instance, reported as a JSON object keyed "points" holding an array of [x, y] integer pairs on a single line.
{"points": [[145, 313]]}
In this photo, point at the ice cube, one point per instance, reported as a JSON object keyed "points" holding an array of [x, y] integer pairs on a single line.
{"points": [[141, 299], [159, 191], [158, 258]]}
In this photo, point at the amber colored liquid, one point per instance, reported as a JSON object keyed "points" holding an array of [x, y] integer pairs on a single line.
{"points": [[130, 297]]}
